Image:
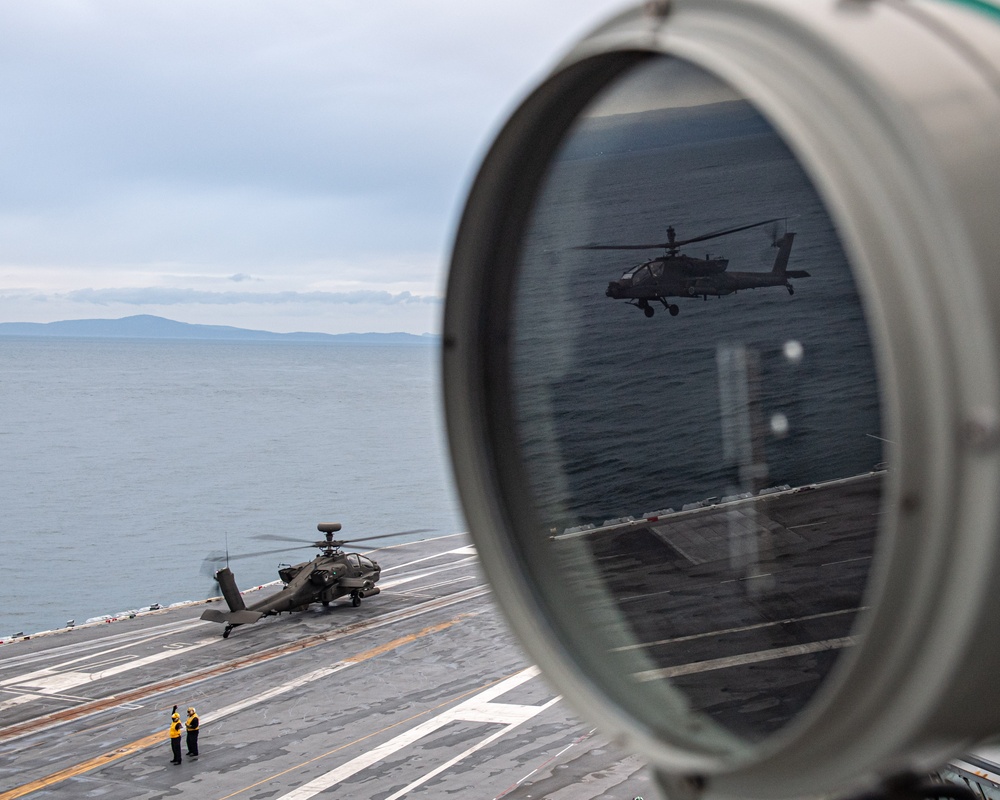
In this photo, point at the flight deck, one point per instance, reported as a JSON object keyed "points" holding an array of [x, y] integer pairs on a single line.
{"points": [[418, 692]]}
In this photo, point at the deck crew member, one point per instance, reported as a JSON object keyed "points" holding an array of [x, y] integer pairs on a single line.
{"points": [[192, 725], [175, 736]]}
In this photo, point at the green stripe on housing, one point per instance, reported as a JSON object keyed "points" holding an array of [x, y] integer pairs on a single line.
{"points": [[987, 7]]}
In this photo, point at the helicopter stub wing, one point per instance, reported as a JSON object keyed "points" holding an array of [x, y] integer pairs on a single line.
{"points": [[364, 582]]}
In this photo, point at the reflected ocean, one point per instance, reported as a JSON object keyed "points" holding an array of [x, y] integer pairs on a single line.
{"points": [[127, 462], [620, 413]]}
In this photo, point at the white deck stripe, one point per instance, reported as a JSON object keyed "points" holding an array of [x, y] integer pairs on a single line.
{"points": [[478, 746], [474, 709], [743, 659], [46, 682]]}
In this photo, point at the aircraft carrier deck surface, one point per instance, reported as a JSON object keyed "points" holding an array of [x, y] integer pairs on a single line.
{"points": [[419, 692]]}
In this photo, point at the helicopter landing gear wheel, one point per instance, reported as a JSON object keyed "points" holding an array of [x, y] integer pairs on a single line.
{"points": [[326, 603], [227, 631], [355, 599], [674, 310], [791, 289], [648, 311]]}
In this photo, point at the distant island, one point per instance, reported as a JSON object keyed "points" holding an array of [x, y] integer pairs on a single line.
{"points": [[146, 326]]}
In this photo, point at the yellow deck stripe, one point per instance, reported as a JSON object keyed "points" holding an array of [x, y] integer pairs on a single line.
{"points": [[158, 738]]}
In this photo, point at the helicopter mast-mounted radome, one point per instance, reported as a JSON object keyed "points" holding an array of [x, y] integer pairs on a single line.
{"points": [[329, 545], [758, 544]]}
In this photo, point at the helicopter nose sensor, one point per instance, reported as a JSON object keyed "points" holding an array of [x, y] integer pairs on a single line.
{"points": [[772, 577]]}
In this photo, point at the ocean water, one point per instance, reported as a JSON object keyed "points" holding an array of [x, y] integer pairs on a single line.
{"points": [[128, 462]]}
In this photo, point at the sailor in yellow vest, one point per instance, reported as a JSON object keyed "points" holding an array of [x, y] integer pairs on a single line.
{"points": [[192, 725], [175, 736]]}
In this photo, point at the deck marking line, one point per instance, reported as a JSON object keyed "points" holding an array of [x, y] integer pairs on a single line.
{"points": [[740, 629], [475, 748], [389, 584], [545, 763], [357, 741], [158, 738], [441, 584], [460, 551], [134, 637], [324, 672], [418, 732], [58, 682], [27, 727], [59, 669], [743, 659], [86, 766]]}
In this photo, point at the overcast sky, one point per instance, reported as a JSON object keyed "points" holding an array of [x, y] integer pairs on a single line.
{"points": [[285, 165]]}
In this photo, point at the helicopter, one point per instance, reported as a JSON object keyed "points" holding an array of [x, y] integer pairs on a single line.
{"points": [[330, 575], [675, 274]]}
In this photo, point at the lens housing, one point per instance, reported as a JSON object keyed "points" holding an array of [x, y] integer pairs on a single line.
{"points": [[892, 110]]}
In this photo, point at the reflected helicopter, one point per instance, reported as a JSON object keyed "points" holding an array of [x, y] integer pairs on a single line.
{"points": [[330, 575], [675, 274]]}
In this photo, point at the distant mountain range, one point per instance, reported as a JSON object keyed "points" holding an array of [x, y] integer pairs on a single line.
{"points": [[146, 326]]}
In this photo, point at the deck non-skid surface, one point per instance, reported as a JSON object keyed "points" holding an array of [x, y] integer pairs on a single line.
{"points": [[419, 692]]}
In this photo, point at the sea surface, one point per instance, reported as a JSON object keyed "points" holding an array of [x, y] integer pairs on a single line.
{"points": [[128, 462]]}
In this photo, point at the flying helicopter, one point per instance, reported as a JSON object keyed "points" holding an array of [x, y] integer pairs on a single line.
{"points": [[675, 274], [330, 575]]}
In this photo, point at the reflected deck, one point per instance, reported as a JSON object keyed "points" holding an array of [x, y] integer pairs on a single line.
{"points": [[744, 605]]}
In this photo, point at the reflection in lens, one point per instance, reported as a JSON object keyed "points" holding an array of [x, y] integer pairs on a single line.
{"points": [[696, 398]]}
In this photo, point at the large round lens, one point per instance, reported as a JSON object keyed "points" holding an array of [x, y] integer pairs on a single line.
{"points": [[696, 402]]}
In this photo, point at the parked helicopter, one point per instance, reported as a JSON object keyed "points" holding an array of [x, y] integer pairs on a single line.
{"points": [[675, 274], [330, 575]]}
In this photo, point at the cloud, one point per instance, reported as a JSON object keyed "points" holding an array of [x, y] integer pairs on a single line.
{"points": [[160, 296], [321, 150]]}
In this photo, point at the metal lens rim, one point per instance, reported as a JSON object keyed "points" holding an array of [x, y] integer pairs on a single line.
{"points": [[479, 404], [902, 699]]}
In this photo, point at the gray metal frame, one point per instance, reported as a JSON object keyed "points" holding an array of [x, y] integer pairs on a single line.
{"points": [[893, 109]]}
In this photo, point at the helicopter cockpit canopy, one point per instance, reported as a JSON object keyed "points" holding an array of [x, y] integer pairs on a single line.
{"points": [[643, 273]]}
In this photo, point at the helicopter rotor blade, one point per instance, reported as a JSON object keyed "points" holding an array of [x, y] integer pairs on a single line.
{"points": [[716, 234], [386, 536], [212, 563], [657, 246], [277, 537], [678, 242], [209, 567], [219, 561]]}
